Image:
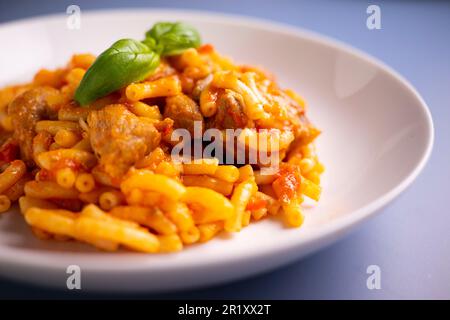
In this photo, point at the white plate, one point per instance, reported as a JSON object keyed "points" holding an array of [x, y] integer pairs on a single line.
{"points": [[377, 136]]}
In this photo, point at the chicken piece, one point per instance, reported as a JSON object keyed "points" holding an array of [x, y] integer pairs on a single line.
{"points": [[26, 110], [120, 138], [183, 111], [230, 112], [296, 119]]}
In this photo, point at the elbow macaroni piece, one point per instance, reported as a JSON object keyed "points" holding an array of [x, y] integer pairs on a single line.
{"points": [[163, 87], [5, 203], [217, 185], [211, 206], [150, 217], [49, 159], [311, 189], [209, 230], [142, 109], [17, 190], [245, 173], [66, 138], [66, 178], [293, 214], [146, 180], [54, 126], [240, 199], [136, 238], [180, 214], [227, 173], [12, 174], [85, 182], [190, 236], [201, 166], [49, 190], [170, 243], [26, 203], [208, 102], [110, 199]]}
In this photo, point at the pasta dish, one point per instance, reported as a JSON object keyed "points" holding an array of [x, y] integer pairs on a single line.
{"points": [[154, 145]]}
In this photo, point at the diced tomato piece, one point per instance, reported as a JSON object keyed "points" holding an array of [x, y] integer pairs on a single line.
{"points": [[46, 175], [288, 183], [206, 48], [8, 152]]}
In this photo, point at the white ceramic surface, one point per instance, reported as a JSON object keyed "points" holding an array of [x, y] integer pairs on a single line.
{"points": [[377, 136]]}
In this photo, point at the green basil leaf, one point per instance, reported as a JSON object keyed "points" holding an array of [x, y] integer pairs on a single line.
{"points": [[126, 61], [152, 45], [170, 38]]}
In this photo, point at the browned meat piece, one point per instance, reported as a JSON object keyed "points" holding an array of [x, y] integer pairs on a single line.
{"points": [[120, 138], [230, 112], [26, 110], [305, 131], [183, 111], [5, 136]]}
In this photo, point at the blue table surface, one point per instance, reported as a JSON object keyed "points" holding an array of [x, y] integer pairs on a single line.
{"points": [[410, 239]]}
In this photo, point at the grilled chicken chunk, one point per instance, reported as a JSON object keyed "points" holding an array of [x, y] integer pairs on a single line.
{"points": [[120, 138], [25, 111], [230, 112], [183, 111]]}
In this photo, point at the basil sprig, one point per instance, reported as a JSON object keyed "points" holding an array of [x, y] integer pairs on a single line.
{"points": [[172, 38], [126, 61], [129, 60]]}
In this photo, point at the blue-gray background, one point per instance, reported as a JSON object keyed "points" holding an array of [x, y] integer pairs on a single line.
{"points": [[410, 240]]}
